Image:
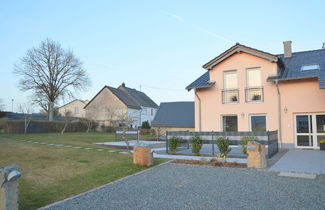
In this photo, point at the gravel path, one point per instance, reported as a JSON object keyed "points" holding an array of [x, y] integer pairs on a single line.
{"points": [[178, 186]]}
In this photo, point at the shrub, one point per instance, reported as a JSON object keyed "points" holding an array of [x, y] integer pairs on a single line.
{"points": [[145, 125], [244, 142], [223, 145], [173, 143], [196, 143]]}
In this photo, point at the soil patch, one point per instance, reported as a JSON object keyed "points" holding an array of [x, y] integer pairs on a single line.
{"points": [[212, 162]]}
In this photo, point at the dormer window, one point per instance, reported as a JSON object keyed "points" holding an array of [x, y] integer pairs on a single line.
{"points": [[310, 67]]}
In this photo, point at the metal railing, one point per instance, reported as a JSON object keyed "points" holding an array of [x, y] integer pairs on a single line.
{"points": [[254, 94], [230, 96], [269, 138]]}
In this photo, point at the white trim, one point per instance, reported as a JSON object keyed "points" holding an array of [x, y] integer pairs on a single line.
{"points": [[225, 115], [313, 134], [250, 120], [247, 78]]}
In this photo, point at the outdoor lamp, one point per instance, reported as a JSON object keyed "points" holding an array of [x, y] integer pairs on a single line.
{"points": [[285, 109], [242, 114]]}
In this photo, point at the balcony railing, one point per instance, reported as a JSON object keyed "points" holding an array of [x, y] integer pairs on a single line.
{"points": [[230, 96], [254, 94]]}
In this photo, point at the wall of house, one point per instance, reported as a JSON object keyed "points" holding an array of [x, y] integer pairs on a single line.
{"points": [[148, 114], [139, 116], [162, 130], [105, 107], [299, 96], [211, 98], [76, 108]]}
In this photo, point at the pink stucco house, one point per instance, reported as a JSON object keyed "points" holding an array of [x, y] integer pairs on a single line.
{"points": [[246, 89]]}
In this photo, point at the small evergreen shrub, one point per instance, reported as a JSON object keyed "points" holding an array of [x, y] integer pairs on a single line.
{"points": [[145, 125], [223, 145], [244, 142], [196, 143], [173, 143]]}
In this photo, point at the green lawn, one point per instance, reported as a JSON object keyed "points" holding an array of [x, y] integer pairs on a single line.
{"points": [[75, 139], [53, 173]]}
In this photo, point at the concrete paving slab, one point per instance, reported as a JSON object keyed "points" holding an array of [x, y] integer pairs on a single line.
{"points": [[303, 161], [298, 175]]}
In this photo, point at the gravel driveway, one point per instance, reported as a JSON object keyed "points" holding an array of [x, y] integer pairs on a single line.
{"points": [[178, 186]]}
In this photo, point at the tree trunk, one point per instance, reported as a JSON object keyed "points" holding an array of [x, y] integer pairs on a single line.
{"points": [[63, 130], [51, 111]]}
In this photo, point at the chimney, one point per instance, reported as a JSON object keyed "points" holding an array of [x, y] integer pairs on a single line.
{"points": [[123, 84], [287, 49], [323, 47]]}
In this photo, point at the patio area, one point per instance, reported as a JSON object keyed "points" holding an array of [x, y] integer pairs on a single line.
{"points": [[301, 161]]}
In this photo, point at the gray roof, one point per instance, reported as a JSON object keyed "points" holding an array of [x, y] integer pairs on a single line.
{"points": [[175, 114], [289, 68], [132, 98], [140, 97], [202, 82]]}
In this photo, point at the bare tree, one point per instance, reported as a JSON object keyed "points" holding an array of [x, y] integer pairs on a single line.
{"points": [[27, 111], [67, 120], [125, 121], [51, 72]]}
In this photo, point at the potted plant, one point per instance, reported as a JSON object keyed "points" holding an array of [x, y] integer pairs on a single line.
{"points": [[322, 144]]}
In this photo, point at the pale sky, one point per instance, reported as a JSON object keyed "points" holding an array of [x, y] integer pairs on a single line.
{"points": [[160, 45]]}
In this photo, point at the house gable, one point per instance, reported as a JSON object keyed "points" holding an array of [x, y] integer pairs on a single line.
{"points": [[238, 48]]}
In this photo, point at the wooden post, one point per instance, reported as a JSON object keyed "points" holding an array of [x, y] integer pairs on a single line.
{"points": [[167, 142]]}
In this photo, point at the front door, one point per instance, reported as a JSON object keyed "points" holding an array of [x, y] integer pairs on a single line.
{"points": [[310, 129]]}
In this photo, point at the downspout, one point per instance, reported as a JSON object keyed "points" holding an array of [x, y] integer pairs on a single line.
{"points": [[200, 125], [279, 112]]}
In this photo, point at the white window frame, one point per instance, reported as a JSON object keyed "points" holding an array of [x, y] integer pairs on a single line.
{"points": [[230, 89], [253, 115], [227, 115], [313, 134], [247, 77]]}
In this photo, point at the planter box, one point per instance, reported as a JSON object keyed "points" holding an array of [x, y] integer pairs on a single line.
{"points": [[322, 146]]}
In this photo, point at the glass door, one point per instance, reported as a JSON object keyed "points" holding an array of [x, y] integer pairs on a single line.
{"points": [[310, 129], [304, 131], [320, 127]]}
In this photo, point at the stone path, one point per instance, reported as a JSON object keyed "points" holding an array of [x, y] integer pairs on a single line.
{"points": [[155, 155], [301, 161], [65, 145]]}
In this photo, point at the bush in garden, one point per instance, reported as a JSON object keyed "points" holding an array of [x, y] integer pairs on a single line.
{"points": [[223, 145], [173, 143], [145, 125], [196, 143], [244, 142]]}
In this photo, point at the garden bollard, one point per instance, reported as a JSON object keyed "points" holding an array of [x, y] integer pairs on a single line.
{"points": [[256, 155], [9, 187]]}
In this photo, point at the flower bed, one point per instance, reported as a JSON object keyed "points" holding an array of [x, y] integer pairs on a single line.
{"points": [[212, 162]]}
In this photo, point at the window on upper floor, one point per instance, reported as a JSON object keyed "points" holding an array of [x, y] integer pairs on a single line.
{"points": [[151, 112], [310, 67], [254, 88], [230, 87], [76, 110]]}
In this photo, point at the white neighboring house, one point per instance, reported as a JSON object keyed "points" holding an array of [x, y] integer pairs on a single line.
{"points": [[75, 107], [138, 106]]}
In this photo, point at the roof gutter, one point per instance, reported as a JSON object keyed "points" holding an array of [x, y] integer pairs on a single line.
{"points": [[279, 112]]}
